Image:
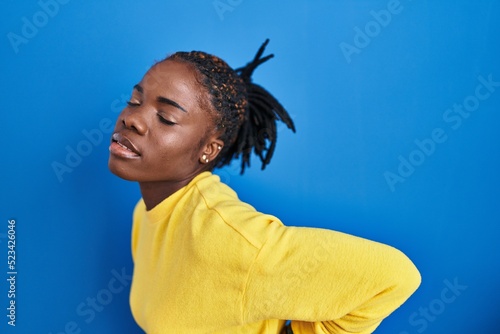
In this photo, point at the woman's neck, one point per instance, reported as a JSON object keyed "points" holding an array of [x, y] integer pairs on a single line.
{"points": [[153, 193]]}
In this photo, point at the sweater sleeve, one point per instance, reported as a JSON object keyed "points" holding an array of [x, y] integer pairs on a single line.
{"points": [[326, 281]]}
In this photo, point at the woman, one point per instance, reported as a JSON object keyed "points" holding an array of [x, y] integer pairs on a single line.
{"points": [[205, 262]]}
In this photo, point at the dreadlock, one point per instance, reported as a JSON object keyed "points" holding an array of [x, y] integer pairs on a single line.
{"points": [[245, 113]]}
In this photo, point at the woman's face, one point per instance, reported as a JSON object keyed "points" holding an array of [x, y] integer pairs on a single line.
{"points": [[163, 133]]}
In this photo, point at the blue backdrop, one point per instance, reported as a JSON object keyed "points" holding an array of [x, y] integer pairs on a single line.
{"points": [[397, 111]]}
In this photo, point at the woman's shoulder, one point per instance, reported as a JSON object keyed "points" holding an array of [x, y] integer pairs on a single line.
{"points": [[222, 201]]}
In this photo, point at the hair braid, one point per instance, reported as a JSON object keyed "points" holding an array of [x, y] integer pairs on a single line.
{"points": [[245, 113]]}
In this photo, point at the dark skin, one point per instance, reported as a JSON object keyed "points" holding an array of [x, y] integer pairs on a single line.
{"points": [[164, 137]]}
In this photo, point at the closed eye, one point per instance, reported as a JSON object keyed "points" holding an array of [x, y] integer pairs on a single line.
{"points": [[165, 121], [133, 104]]}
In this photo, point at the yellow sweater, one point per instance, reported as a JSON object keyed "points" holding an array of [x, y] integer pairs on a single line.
{"points": [[205, 262]]}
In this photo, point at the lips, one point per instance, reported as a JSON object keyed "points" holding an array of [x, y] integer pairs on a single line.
{"points": [[123, 147]]}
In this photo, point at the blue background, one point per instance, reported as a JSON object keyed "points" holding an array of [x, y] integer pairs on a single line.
{"points": [[357, 116]]}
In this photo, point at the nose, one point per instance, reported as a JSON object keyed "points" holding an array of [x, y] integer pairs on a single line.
{"points": [[134, 120]]}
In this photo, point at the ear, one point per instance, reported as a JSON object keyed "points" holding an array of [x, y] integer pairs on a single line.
{"points": [[211, 150]]}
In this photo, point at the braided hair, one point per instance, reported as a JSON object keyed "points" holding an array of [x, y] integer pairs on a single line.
{"points": [[245, 113]]}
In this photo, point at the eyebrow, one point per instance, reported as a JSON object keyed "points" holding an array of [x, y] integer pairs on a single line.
{"points": [[138, 88], [162, 99], [168, 101]]}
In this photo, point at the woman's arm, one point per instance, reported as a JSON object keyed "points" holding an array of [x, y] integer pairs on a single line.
{"points": [[326, 281]]}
